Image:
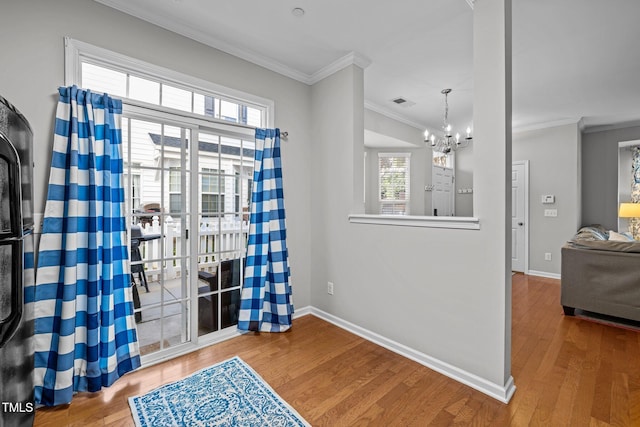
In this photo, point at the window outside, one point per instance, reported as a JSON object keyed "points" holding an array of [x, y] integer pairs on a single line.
{"points": [[394, 185]]}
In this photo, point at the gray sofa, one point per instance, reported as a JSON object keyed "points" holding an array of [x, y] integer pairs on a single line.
{"points": [[601, 275]]}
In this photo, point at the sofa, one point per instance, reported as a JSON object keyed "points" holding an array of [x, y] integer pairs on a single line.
{"points": [[601, 274]]}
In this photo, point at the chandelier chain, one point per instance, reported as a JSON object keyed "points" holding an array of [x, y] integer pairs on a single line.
{"points": [[446, 143], [446, 110]]}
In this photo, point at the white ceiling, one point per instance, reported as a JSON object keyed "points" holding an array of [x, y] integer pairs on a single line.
{"points": [[572, 59]]}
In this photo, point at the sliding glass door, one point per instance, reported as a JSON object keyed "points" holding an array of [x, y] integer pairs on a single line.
{"points": [[225, 168], [188, 207], [158, 172]]}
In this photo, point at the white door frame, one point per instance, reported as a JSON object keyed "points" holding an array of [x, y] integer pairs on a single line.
{"points": [[526, 211]]}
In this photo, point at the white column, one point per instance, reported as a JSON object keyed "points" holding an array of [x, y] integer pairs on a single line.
{"points": [[492, 151]]}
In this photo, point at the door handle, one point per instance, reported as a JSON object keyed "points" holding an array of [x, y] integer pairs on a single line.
{"points": [[521, 223]]}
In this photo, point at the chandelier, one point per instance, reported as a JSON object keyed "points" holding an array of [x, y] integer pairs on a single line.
{"points": [[447, 142]]}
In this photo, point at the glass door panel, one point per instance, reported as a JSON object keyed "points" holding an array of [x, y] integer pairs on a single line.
{"points": [[157, 172], [224, 178]]}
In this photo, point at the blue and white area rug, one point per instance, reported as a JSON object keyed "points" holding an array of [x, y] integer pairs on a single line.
{"points": [[229, 393]]}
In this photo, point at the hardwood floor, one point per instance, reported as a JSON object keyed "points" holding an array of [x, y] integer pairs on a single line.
{"points": [[568, 372]]}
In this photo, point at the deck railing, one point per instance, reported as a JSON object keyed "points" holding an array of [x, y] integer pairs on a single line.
{"points": [[217, 241]]}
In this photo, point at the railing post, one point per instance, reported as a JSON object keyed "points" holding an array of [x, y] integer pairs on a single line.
{"points": [[154, 245], [169, 245]]}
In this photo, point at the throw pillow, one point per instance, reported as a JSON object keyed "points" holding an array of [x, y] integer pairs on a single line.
{"points": [[619, 237], [594, 232]]}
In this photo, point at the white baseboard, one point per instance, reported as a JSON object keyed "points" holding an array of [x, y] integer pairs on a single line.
{"points": [[299, 312], [544, 274], [503, 393]]}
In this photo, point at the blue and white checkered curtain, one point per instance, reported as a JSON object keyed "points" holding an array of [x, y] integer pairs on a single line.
{"points": [[85, 333], [266, 303]]}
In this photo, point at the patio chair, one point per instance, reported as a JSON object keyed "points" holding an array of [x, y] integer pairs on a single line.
{"points": [[136, 235], [208, 305]]}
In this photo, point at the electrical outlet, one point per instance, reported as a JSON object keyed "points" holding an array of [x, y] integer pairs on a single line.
{"points": [[330, 288], [547, 256]]}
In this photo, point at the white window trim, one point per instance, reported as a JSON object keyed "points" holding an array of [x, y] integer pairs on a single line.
{"points": [[407, 201], [76, 50]]}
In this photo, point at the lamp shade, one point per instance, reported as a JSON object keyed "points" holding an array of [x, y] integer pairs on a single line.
{"points": [[629, 210]]}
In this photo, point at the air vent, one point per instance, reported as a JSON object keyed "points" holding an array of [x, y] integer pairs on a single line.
{"points": [[403, 102]]}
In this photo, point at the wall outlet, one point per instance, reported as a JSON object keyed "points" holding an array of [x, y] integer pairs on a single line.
{"points": [[330, 288], [547, 256], [551, 212]]}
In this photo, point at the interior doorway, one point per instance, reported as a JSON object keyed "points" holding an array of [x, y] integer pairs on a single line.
{"points": [[443, 199], [520, 216]]}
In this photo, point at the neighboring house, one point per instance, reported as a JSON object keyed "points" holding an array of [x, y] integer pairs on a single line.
{"points": [[225, 170], [441, 296]]}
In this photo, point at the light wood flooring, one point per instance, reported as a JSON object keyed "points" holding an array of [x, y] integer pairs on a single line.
{"points": [[568, 372]]}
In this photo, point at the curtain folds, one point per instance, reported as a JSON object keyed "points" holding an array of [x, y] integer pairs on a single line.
{"points": [[266, 302], [85, 333]]}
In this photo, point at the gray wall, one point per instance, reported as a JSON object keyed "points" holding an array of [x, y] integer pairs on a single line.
{"points": [[445, 293], [464, 179], [600, 175], [32, 69], [554, 168], [384, 125]]}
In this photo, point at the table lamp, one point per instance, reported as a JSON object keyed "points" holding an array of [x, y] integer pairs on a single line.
{"points": [[631, 211]]}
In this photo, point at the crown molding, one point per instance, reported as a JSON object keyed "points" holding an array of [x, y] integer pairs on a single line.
{"points": [[199, 36], [582, 124], [369, 105], [352, 58], [604, 128], [545, 125]]}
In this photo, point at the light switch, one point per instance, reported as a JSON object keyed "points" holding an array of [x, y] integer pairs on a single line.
{"points": [[551, 212]]}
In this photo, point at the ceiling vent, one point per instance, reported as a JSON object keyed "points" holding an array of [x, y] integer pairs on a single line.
{"points": [[403, 102]]}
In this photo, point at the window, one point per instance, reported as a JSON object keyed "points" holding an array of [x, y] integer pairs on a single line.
{"points": [[103, 78], [212, 191], [393, 183], [180, 135], [136, 201], [249, 191], [175, 195], [133, 186], [236, 191]]}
